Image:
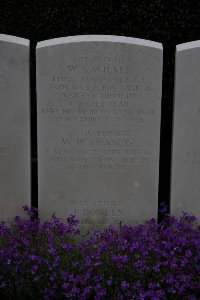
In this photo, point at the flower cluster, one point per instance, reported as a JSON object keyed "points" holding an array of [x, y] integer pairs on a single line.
{"points": [[148, 261]]}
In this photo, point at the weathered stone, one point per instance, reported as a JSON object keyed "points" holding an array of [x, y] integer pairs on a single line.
{"points": [[185, 182], [14, 126], [99, 100]]}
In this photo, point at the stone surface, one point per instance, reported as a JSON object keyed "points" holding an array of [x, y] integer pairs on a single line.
{"points": [[99, 100], [185, 182], [14, 126]]}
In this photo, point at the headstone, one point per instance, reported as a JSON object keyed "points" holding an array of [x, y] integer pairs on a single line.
{"points": [[14, 126], [99, 102], [185, 181]]}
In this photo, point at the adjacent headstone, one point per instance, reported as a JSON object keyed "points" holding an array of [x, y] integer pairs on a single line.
{"points": [[185, 181], [14, 126], [99, 103]]}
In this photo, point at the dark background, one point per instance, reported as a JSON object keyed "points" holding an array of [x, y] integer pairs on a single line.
{"points": [[164, 21]]}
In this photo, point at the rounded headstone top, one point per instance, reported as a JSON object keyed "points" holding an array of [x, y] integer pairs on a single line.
{"points": [[99, 38], [14, 39], [187, 46]]}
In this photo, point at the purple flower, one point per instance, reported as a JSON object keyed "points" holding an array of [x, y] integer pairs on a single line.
{"points": [[147, 261], [124, 285], [34, 268]]}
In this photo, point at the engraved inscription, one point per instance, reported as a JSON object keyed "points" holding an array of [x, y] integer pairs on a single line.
{"points": [[192, 159], [97, 149], [99, 114], [94, 91], [100, 212], [4, 151]]}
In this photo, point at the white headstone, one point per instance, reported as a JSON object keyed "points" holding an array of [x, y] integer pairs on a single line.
{"points": [[99, 102], [14, 126], [185, 181]]}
